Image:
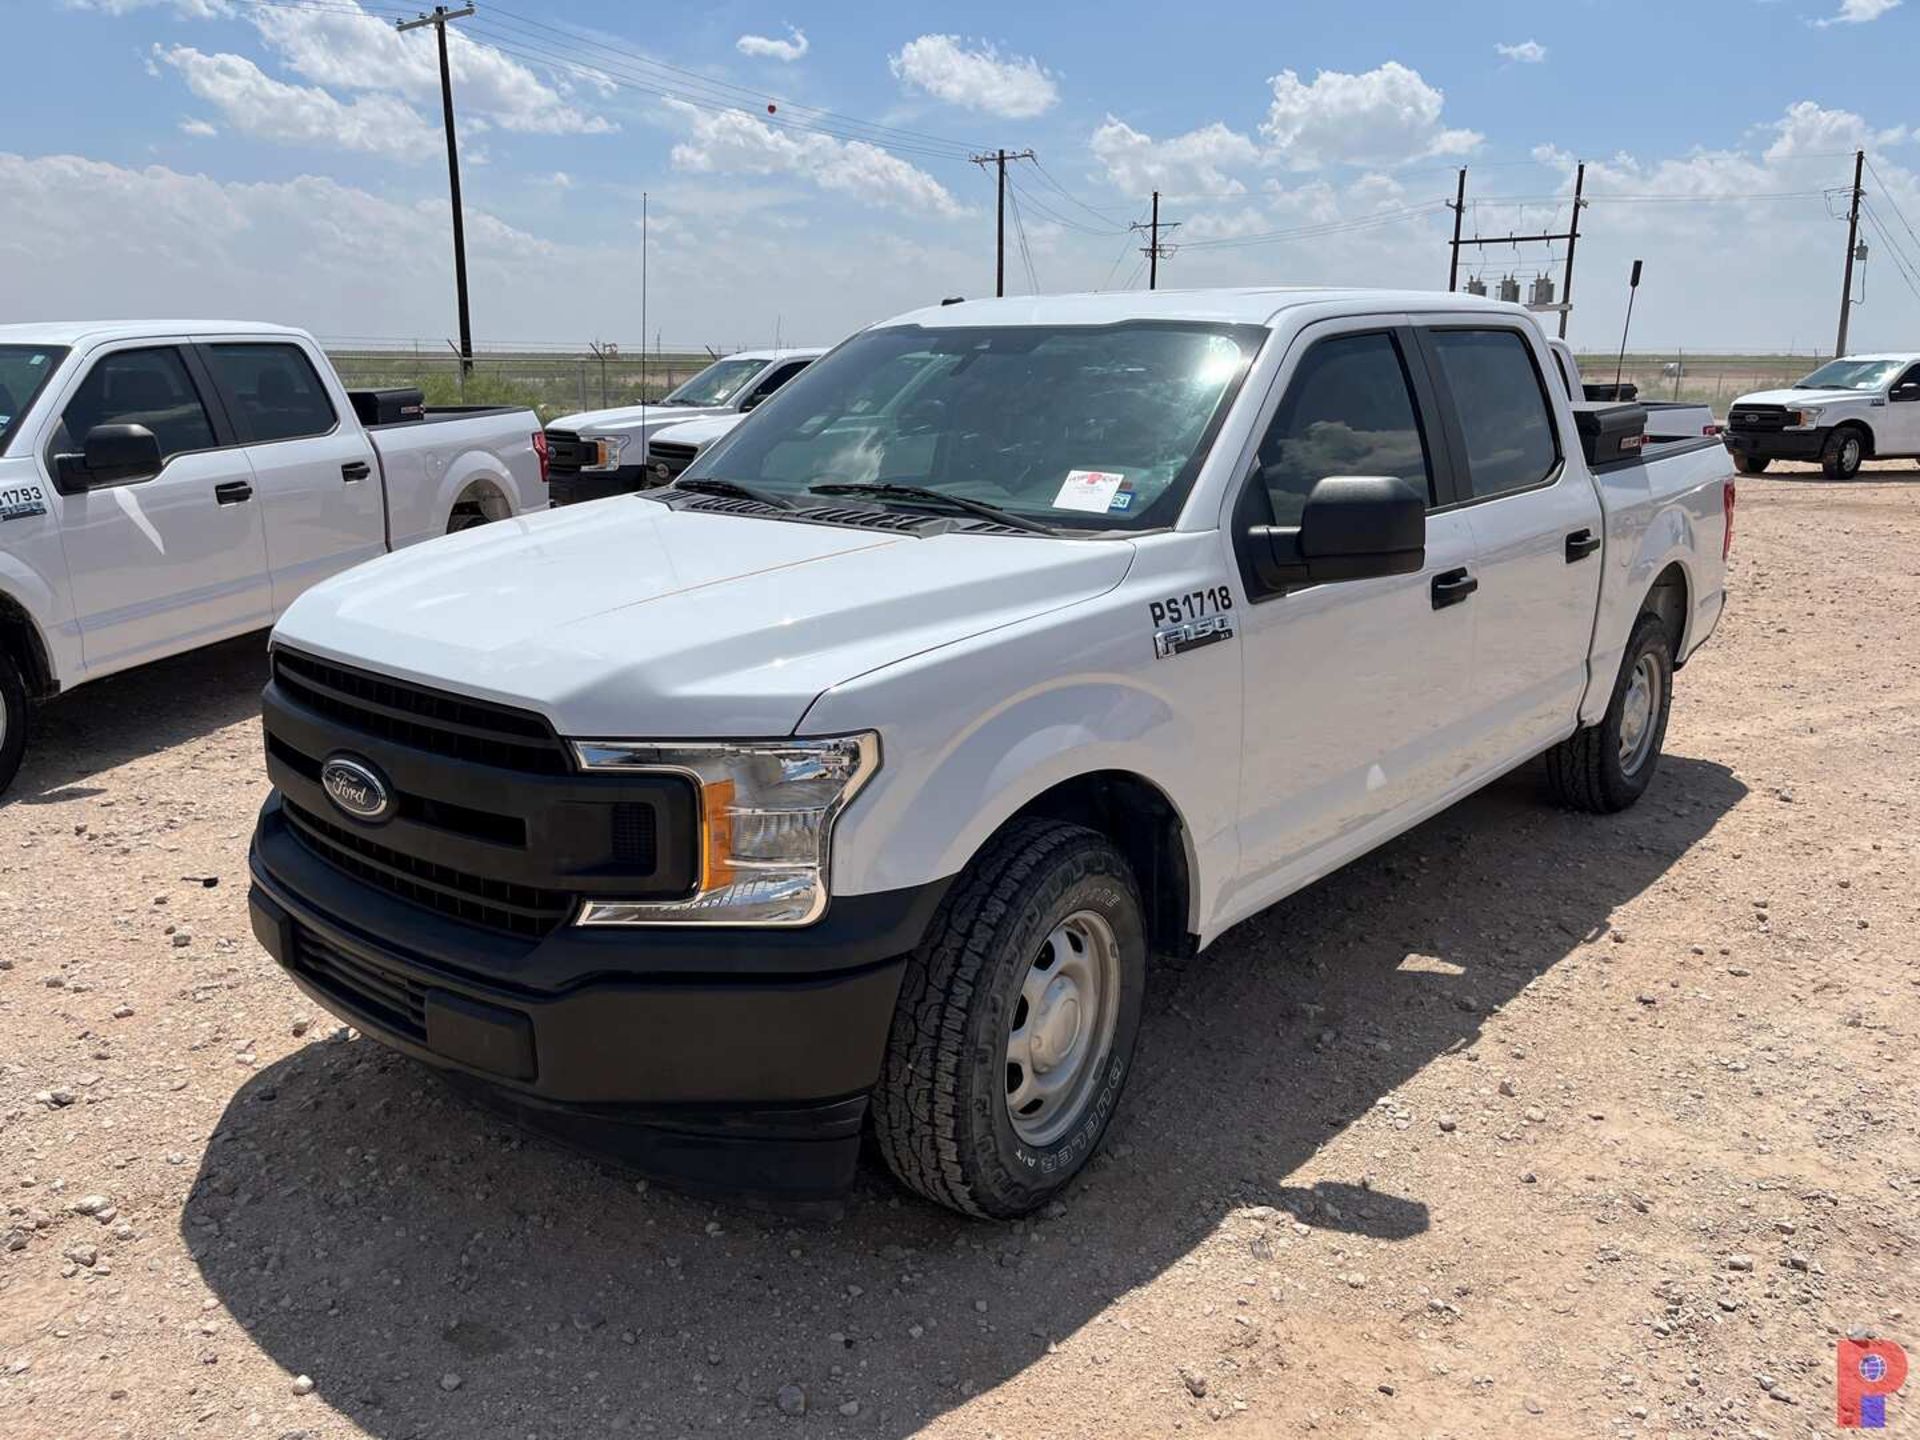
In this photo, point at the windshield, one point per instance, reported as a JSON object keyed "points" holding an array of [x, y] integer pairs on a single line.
{"points": [[1087, 427], [23, 370], [1851, 375], [716, 384]]}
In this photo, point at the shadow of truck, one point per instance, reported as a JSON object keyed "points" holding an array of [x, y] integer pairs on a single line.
{"points": [[374, 1231]]}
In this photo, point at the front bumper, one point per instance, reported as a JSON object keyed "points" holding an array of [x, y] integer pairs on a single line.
{"points": [[573, 487], [1777, 444], [733, 1060]]}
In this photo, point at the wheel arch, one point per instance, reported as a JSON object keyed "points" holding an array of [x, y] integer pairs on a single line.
{"points": [[1855, 422], [20, 638], [1670, 599]]}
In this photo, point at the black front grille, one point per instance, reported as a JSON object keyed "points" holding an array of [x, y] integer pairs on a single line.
{"points": [[676, 455], [382, 995], [430, 720], [567, 451], [1758, 417], [496, 904]]}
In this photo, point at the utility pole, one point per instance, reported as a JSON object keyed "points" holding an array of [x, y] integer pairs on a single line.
{"points": [[1153, 249], [1573, 239], [1853, 239], [1459, 208], [438, 19], [998, 159]]}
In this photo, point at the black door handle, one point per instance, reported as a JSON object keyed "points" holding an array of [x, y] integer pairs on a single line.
{"points": [[1450, 587], [355, 470], [233, 492], [1580, 544]]}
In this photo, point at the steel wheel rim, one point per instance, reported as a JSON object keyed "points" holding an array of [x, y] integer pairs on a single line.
{"points": [[1849, 453], [1061, 1030], [1637, 711]]}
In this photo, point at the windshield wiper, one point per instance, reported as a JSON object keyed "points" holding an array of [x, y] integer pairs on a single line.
{"points": [[733, 490], [922, 495]]}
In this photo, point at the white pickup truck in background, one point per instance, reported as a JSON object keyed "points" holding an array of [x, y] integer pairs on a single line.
{"points": [[1850, 410], [859, 776], [597, 453], [167, 484]]}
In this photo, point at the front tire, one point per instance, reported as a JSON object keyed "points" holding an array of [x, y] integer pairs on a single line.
{"points": [[1751, 464], [1604, 768], [1014, 1032], [13, 721], [1841, 456]]}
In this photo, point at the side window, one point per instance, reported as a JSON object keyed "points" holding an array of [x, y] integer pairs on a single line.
{"points": [[141, 387], [1348, 410], [1912, 377], [272, 391], [1504, 416], [780, 376]]}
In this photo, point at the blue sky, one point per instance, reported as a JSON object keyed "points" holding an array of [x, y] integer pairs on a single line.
{"points": [[285, 159]]}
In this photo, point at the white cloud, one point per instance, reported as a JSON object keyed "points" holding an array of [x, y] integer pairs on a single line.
{"points": [[350, 49], [199, 129], [1858, 12], [1527, 52], [767, 47], [256, 105], [731, 142], [1810, 129], [1386, 116], [1189, 164], [1016, 87]]}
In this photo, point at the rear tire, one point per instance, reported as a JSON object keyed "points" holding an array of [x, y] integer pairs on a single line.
{"points": [[1841, 456], [1014, 1032], [1604, 768], [1751, 464], [13, 720]]}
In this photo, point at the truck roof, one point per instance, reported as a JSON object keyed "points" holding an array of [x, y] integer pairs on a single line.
{"points": [[74, 332], [1906, 355], [791, 352], [1253, 305]]}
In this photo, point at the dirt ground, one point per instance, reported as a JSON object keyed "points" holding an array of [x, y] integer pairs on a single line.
{"points": [[1531, 1124]]}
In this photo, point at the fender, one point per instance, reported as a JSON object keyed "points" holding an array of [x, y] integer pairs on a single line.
{"points": [[44, 610], [466, 468], [1670, 535]]}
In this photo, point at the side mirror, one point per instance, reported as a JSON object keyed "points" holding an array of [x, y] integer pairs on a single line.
{"points": [[1354, 527], [112, 455], [1908, 390], [751, 401]]}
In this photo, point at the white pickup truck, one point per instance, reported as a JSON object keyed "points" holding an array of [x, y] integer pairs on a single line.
{"points": [[860, 776], [1856, 408], [598, 453], [166, 484]]}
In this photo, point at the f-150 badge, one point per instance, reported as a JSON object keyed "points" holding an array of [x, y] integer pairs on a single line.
{"points": [[1171, 640]]}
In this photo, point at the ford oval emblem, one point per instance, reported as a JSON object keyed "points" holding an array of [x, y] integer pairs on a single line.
{"points": [[356, 788]]}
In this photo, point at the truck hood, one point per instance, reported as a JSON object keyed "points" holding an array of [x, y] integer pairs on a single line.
{"points": [[633, 417], [698, 432], [626, 618], [1800, 397]]}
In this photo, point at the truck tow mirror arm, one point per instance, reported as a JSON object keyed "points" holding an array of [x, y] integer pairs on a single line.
{"points": [[1353, 527]]}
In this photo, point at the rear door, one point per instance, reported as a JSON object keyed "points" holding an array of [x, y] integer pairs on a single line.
{"points": [[1898, 426], [177, 559], [318, 477], [1356, 692], [1536, 524]]}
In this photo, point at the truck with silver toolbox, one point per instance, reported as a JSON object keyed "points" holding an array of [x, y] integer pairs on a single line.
{"points": [[857, 779], [1850, 410], [166, 484]]}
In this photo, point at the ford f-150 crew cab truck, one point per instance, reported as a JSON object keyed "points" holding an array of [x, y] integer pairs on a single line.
{"points": [[860, 775], [597, 453], [166, 484], [1859, 407]]}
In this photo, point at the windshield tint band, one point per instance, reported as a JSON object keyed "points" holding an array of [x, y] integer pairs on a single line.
{"points": [[1085, 427]]}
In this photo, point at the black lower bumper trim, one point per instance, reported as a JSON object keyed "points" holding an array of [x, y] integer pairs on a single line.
{"points": [[575, 488], [1777, 444]]}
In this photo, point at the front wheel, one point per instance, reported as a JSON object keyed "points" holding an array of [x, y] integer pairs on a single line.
{"points": [[1840, 458], [13, 720], [1606, 767], [1014, 1031], [1751, 464]]}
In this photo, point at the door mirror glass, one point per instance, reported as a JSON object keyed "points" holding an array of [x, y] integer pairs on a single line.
{"points": [[113, 455], [1353, 527]]}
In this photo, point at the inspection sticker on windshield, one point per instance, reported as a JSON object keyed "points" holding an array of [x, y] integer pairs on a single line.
{"points": [[1089, 490]]}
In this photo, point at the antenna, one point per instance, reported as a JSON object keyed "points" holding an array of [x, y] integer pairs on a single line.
{"points": [[1633, 284]]}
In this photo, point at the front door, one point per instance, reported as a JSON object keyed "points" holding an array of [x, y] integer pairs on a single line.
{"points": [[1356, 692], [319, 480], [178, 559]]}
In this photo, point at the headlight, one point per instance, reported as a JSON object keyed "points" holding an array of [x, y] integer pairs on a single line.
{"points": [[1805, 418], [606, 449], [766, 825]]}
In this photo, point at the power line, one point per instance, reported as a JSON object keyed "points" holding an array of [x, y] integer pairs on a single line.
{"points": [[1331, 227], [998, 159], [1020, 234], [1153, 249]]}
